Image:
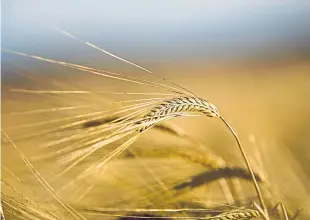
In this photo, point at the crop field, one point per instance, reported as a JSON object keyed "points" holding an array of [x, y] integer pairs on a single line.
{"points": [[89, 133]]}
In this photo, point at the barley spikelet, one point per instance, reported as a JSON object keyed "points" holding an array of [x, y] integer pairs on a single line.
{"points": [[177, 107], [237, 215]]}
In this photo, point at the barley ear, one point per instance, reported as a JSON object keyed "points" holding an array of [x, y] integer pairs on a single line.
{"points": [[258, 192]]}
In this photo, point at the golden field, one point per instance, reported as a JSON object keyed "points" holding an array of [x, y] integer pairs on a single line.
{"points": [[267, 103]]}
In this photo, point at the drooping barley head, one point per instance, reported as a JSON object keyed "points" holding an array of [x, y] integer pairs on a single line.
{"points": [[177, 107]]}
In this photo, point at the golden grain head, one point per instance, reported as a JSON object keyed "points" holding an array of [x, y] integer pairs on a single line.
{"points": [[178, 107]]}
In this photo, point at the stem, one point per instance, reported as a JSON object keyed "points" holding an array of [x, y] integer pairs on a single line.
{"points": [[258, 192]]}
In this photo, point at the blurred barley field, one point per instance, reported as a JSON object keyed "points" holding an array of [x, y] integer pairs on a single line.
{"points": [[269, 111], [186, 167]]}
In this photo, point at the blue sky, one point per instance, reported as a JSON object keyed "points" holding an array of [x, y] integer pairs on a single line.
{"points": [[159, 28]]}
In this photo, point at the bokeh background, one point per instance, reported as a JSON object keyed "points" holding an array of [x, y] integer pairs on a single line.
{"points": [[251, 59]]}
